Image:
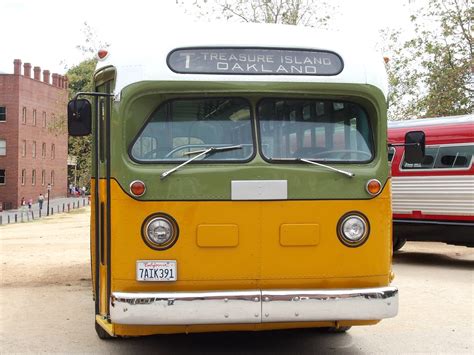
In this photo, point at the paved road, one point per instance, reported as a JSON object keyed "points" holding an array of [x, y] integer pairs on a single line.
{"points": [[46, 303]]}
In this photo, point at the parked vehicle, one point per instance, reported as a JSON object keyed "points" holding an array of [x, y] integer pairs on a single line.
{"points": [[238, 186], [434, 200]]}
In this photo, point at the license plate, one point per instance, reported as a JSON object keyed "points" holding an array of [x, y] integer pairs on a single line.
{"points": [[156, 270]]}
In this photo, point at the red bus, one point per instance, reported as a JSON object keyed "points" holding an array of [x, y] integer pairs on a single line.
{"points": [[434, 200]]}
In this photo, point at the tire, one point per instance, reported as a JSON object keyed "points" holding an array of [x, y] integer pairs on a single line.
{"points": [[398, 243], [336, 330], [101, 333]]}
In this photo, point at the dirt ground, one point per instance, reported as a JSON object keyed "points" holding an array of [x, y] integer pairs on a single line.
{"points": [[46, 304]]}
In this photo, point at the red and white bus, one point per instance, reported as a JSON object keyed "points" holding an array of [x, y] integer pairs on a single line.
{"points": [[434, 200]]}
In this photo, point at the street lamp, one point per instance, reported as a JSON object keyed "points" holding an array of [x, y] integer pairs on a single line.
{"points": [[49, 191]]}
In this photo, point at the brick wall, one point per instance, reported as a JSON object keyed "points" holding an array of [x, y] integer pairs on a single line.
{"points": [[9, 132], [28, 96]]}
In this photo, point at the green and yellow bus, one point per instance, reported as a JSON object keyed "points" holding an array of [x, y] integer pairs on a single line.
{"points": [[240, 182]]}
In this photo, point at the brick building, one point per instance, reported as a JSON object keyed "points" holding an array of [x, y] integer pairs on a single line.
{"points": [[33, 134]]}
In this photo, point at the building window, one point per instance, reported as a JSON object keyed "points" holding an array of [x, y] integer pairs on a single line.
{"points": [[3, 147], [2, 177], [53, 151], [23, 176], [33, 150], [43, 150], [52, 177], [43, 177], [33, 177], [3, 113], [23, 116], [44, 119], [34, 117], [23, 148]]}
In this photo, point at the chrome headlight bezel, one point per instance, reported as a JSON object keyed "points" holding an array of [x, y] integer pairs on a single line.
{"points": [[168, 223], [355, 217]]}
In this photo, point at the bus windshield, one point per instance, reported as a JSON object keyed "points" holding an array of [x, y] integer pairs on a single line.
{"points": [[183, 126], [323, 130]]}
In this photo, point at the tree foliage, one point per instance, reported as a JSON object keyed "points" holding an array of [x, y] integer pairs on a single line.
{"points": [[92, 43], [80, 79], [431, 74], [293, 12]]}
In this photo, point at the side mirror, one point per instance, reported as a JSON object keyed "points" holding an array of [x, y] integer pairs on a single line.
{"points": [[79, 117], [414, 147]]}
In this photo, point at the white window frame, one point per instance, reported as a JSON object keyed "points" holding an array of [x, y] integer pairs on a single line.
{"points": [[4, 148]]}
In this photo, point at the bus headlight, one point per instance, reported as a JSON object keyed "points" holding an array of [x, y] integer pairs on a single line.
{"points": [[160, 231], [353, 229]]}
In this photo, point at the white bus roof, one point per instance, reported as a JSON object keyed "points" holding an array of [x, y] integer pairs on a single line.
{"points": [[143, 57], [434, 121]]}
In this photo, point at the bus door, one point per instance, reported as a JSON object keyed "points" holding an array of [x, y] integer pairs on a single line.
{"points": [[100, 224]]}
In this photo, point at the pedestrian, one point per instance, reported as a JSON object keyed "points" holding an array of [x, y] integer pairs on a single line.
{"points": [[30, 203], [40, 201], [83, 191], [23, 208]]}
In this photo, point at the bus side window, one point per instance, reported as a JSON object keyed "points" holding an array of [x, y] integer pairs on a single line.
{"points": [[454, 157], [428, 162]]}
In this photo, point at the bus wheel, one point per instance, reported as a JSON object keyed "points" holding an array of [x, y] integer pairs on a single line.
{"points": [[335, 329], [398, 243], [101, 333]]}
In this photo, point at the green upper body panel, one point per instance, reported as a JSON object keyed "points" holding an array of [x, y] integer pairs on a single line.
{"points": [[212, 181]]}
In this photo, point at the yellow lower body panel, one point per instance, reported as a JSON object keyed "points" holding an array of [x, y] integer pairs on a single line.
{"points": [[244, 245]]}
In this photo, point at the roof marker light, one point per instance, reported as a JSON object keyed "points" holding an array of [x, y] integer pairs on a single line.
{"points": [[102, 53]]}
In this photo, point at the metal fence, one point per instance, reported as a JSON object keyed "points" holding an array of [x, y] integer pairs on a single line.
{"points": [[26, 215]]}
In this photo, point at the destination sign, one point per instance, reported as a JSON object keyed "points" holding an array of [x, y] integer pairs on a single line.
{"points": [[254, 61]]}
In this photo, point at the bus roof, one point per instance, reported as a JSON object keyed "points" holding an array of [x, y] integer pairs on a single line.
{"points": [[433, 121], [439, 130], [145, 58]]}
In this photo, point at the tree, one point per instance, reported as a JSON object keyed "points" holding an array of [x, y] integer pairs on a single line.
{"points": [[292, 12], [80, 79], [432, 74]]}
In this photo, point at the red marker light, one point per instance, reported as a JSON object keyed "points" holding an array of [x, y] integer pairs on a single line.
{"points": [[137, 188], [102, 53]]}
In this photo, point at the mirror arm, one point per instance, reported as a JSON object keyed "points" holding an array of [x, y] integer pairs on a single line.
{"points": [[403, 144], [85, 93], [95, 94]]}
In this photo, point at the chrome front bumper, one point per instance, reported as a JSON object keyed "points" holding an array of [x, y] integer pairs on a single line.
{"points": [[253, 306]]}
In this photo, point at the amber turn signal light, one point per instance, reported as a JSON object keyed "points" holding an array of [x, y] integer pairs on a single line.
{"points": [[137, 188], [373, 187]]}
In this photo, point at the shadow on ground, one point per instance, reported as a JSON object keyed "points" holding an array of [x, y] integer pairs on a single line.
{"points": [[313, 341], [462, 261]]}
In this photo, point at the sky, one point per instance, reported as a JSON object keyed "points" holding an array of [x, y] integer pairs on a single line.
{"points": [[46, 33]]}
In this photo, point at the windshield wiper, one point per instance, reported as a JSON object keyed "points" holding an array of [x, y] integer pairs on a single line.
{"points": [[347, 173], [200, 153]]}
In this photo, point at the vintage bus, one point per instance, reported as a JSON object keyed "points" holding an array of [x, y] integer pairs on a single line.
{"points": [[434, 200], [240, 182]]}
